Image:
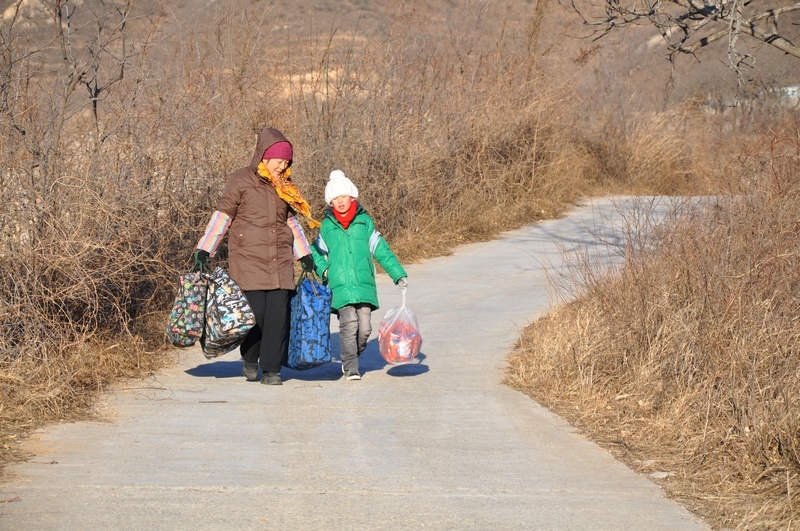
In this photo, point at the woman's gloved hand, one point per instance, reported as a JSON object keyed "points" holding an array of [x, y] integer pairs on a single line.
{"points": [[402, 283], [308, 263], [200, 257]]}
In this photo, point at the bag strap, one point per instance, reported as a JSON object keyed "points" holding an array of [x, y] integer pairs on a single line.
{"points": [[198, 267], [315, 279]]}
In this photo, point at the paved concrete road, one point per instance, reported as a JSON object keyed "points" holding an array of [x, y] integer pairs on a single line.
{"points": [[440, 444]]}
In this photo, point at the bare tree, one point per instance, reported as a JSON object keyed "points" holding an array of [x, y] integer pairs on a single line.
{"points": [[686, 26], [50, 51], [106, 45]]}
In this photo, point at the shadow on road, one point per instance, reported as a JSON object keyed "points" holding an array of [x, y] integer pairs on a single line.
{"points": [[369, 361]]}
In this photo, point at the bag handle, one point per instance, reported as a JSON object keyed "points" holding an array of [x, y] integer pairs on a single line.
{"points": [[198, 267], [311, 275]]}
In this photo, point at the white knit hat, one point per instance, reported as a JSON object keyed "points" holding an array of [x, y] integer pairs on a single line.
{"points": [[339, 184]]}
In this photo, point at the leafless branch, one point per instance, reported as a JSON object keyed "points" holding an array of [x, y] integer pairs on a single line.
{"points": [[687, 25]]}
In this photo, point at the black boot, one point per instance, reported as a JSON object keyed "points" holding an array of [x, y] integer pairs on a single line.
{"points": [[271, 378], [250, 370]]}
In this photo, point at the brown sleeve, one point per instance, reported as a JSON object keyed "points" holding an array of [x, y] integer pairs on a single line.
{"points": [[231, 197]]}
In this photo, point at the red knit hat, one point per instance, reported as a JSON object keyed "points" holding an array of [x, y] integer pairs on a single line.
{"points": [[278, 150]]}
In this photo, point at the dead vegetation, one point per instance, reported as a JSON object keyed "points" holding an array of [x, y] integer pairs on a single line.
{"points": [[685, 359], [456, 123]]}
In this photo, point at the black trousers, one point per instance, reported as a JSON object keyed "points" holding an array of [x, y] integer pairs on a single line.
{"points": [[268, 340]]}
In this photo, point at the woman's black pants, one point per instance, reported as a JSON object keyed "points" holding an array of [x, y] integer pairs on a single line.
{"points": [[268, 340]]}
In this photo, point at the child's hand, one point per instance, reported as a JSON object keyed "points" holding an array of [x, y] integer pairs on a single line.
{"points": [[402, 283]]}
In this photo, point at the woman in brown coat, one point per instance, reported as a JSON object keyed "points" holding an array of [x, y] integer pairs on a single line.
{"points": [[258, 210]]}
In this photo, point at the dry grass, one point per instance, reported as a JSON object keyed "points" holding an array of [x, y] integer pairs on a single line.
{"points": [[686, 358]]}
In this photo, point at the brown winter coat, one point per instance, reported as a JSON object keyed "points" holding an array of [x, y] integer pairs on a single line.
{"points": [[259, 240]]}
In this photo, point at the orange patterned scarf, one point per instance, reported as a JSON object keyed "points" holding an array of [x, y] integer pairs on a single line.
{"points": [[287, 191]]}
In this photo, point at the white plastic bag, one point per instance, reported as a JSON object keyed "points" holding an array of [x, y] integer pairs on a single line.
{"points": [[399, 337]]}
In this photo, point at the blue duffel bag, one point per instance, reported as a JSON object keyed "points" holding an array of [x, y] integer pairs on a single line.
{"points": [[309, 328]]}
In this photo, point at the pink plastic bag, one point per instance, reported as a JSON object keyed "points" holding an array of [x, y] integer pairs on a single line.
{"points": [[399, 338]]}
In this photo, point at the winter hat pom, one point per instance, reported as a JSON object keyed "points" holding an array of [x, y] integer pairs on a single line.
{"points": [[339, 184]]}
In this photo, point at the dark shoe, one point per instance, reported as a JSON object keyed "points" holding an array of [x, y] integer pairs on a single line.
{"points": [[250, 370], [271, 378], [353, 375]]}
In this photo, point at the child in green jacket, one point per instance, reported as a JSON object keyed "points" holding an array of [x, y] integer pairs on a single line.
{"points": [[343, 254]]}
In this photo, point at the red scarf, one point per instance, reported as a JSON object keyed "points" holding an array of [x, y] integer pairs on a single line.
{"points": [[347, 217]]}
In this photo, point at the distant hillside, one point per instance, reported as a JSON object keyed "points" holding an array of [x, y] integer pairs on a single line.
{"points": [[628, 66]]}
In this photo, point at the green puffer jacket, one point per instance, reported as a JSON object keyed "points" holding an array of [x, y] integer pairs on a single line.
{"points": [[346, 256]]}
